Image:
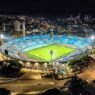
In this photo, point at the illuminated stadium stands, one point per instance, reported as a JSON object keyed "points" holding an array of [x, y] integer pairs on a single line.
{"points": [[31, 42]]}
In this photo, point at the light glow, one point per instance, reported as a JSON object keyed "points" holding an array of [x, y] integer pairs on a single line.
{"points": [[1, 36], [92, 37]]}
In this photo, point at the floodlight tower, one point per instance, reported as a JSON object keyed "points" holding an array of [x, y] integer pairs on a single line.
{"points": [[51, 53], [1, 37], [92, 39], [92, 42]]}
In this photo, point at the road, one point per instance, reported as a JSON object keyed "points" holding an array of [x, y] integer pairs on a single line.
{"points": [[32, 86], [27, 84]]}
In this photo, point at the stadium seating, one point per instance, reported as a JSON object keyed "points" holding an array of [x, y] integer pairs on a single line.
{"points": [[31, 42]]}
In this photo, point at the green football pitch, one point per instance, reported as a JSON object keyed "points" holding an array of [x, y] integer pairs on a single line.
{"points": [[43, 53]]}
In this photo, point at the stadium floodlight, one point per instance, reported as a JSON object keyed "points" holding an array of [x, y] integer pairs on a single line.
{"points": [[92, 37], [1, 36]]}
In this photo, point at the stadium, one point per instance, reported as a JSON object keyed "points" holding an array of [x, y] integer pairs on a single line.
{"points": [[41, 53], [45, 48]]}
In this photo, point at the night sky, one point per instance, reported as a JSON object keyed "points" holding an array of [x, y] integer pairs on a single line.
{"points": [[49, 7]]}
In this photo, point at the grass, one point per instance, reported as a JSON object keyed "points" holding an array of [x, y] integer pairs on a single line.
{"points": [[43, 53]]}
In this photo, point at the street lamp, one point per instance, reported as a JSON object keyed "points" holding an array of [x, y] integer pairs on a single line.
{"points": [[36, 65], [45, 66], [51, 53]]}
